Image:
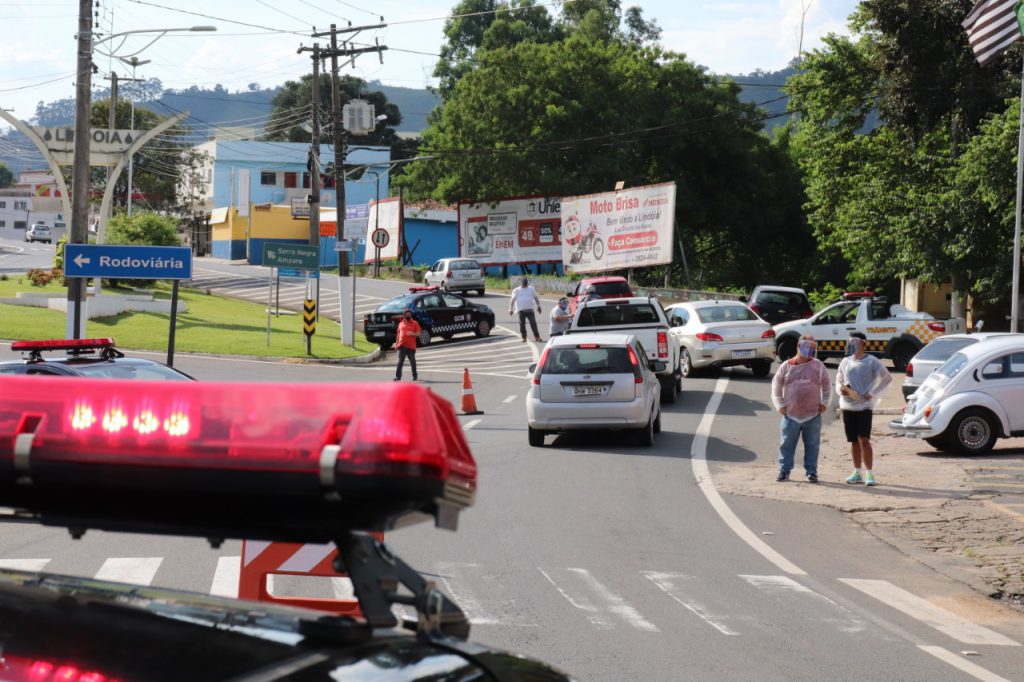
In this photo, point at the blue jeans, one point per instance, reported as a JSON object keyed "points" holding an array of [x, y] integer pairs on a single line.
{"points": [[791, 430]]}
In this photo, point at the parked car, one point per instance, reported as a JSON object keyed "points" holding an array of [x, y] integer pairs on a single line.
{"points": [[645, 319], [937, 352], [721, 334], [95, 358], [598, 287], [440, 313], [594, 382], [456, 274], [971, 399], [40, 232], [776, 304]]}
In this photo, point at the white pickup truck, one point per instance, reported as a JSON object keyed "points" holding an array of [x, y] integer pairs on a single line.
{"points": [[892, 331], [646, 320]]}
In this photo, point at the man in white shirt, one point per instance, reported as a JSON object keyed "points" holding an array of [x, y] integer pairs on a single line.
{"points": [[560, 317], [860, 381], [523, 299]]}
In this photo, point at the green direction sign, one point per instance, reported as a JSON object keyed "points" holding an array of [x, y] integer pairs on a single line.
{"points": [[297, 256]]}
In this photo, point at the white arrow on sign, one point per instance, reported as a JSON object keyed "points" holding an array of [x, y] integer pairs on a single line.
{"points": [[81, 260]]}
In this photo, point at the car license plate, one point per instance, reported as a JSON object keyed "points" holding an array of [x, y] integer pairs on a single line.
{"points": [[587, 390], [376, 334], [737, 354]]}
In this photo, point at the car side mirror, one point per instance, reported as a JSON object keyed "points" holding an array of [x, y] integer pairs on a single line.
{"points": [[533, 368], [658, 365], [744, 299]]}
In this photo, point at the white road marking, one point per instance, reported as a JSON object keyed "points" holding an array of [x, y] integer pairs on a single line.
{"points": [[24, 564], [699, 463], [666, 582], [848, 623], [975, 671], [465, 574], [225, 577], [509, 399], [923, 610], [611, 602], [470, 424], [133, 570]]}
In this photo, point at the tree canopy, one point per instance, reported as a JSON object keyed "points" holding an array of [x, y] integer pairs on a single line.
{"points": [[6, 176]]}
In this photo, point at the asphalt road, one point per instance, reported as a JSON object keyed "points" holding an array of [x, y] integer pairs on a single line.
{"points": [[618, 562]]}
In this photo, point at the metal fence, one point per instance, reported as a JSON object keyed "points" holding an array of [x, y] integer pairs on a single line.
{"points": [[551, 284]]}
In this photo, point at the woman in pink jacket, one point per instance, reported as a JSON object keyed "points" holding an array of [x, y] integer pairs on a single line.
{"points": [[800, 392]]}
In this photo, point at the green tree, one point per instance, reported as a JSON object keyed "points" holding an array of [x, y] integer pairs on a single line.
{"points": [[143, 229], [290, 118], [575, 116], [6, 176]]}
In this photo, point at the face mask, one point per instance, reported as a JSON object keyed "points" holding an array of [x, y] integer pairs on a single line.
{"points": [[851, 346], [807, 349]]}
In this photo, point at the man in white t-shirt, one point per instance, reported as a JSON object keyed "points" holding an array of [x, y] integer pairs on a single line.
{"points": [[523, 299]]}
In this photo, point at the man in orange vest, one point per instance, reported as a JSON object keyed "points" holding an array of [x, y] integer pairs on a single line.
{"points": [[405, 344]]}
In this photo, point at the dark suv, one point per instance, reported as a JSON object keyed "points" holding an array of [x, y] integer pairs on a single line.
{"points": [[778, 304]]}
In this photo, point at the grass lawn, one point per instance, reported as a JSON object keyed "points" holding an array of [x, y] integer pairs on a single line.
{"points": [[211, 324]]}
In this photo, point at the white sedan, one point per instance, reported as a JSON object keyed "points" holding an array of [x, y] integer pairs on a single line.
{"points": [[721, 334], [971, 400]]}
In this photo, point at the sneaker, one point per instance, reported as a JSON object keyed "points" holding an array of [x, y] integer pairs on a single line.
{"points": [[869, 478], [415, 378], [524, 339], [397, 379], [538, 339], [812, 478], [854, 478], [783, 476]]}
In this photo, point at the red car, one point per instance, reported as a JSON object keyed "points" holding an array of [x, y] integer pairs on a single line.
{"points": [[599, 287]]}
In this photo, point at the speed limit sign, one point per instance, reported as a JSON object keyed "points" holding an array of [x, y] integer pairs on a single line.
{"points": [[380, 238]]}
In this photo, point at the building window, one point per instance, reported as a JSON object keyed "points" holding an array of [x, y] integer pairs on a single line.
{"points": [[268, 178], [305, 180], [3, 204], [20, 205], [290, 180], [3, 223], [20, 225]]}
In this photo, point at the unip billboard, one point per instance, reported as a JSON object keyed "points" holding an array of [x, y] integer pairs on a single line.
{"points": [[386, 215], [508, 231], [629, 228]]}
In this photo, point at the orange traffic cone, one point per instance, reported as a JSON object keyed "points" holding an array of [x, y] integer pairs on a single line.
{"points": [[468, 401]]}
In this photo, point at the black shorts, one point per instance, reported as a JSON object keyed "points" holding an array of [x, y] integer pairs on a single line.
{"points": [[857, 424]]}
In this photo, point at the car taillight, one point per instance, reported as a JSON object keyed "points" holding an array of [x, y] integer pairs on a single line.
{"points": [[540, 366], [448, 274], [755, 308], [662, 344], [934, 325], [910, 369], [770, 334], [808, 313], [638, 376], [708, 336]]}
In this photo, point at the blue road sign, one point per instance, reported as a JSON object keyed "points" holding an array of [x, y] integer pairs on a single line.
{"points": [[127, 262], [292, 272]]}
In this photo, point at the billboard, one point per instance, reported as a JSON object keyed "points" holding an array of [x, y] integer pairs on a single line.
{"points": [[630, 228], [385, 214], [507, 231]]}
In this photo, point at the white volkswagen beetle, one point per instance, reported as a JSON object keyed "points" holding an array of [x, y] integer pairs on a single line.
{"points": [[971, 400]]}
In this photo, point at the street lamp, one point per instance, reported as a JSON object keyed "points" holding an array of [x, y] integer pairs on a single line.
{"points": [[78, 234], [134, 62]]}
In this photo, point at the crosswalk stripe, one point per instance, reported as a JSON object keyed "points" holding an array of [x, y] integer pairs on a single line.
{"points": [[225, 576], [668, 583], [459, 579], [132, 570], [470, 424], [509, 399], [611, 602], [975, 671], [923, 610], [24, 564], [843, 619]]}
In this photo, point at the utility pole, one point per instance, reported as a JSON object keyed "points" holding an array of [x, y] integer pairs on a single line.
{"points": [[79, 233], [339, 151], [111, 125], [314, 155]]}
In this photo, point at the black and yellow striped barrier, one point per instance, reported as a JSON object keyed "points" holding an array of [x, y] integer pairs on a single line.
{"points": [[309, 317]]}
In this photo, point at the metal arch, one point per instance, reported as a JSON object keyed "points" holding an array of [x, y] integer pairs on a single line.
{"points": [[108, 193], [40, 144]]}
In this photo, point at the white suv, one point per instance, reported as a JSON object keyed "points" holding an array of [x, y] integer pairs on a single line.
{"points": [[456, 274], [593, 382], [40, 232]]}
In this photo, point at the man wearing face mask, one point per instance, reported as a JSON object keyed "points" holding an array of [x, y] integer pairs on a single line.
{"points": [[523, 299], [860, 382], [560, 317], [800, 392], [408, 331]]}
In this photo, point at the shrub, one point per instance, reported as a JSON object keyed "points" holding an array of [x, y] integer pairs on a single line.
{"points": [[40, 278]]}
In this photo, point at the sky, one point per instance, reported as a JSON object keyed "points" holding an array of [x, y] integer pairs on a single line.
{"points": [[256, 41]]}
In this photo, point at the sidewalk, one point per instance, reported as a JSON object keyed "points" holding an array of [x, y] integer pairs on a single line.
{"points": [[958, 514]]}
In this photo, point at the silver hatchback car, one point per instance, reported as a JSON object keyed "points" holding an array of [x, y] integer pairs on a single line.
{"points": [[456, 274], [590, 382]]}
